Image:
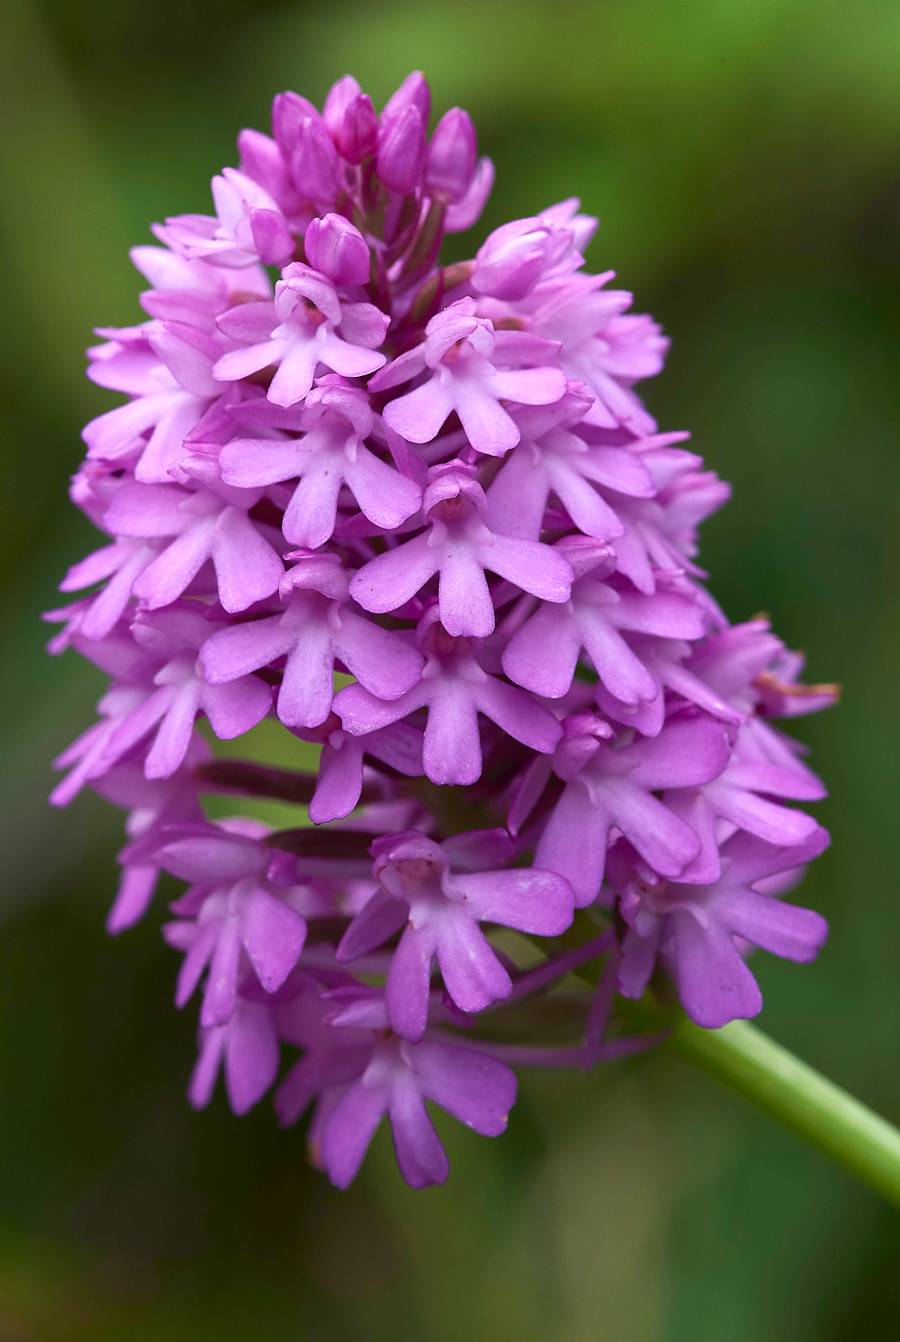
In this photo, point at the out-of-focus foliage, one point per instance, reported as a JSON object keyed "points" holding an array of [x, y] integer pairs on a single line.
{"points": [[745, 162]]}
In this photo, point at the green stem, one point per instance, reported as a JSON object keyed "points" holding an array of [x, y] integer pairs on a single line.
{"points": [[796, 1095]]}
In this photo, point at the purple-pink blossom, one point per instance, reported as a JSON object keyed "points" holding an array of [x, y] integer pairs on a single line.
{"points": [[460, 546], [358, 1073], [417, 517], [700, 930], [471, 374], [298, 332], [440, 910], [316, 629]]}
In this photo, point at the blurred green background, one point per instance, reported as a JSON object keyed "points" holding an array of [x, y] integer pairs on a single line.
{"points": [[745, 162]]}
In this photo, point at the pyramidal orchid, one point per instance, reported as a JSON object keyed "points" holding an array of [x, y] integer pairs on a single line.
{"points": [[337, 455]]}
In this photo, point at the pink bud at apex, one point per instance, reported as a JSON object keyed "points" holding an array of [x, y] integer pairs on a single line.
{"points": [[351, 120], [337, 100], [315, 163], [358, 133], [289, 111], [401, 151], [452, 156], [336, 249], [413, 92], [439, 483]]}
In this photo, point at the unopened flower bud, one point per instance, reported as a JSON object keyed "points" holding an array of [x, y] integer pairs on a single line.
{"points": [[452, 155], [315, 165], [359, 132], [338, 99], [289, 111], [401, 152], [351, 120], [336, 249], [510, 262], [413, 92]]}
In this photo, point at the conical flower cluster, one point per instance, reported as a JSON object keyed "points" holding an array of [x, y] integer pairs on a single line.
{"points": [[337, 455]]}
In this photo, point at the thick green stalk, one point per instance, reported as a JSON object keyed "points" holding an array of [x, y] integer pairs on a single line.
{"points": [[796, 1095]]}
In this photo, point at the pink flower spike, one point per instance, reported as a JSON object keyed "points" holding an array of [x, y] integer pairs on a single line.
{"points": [[413, 512]]}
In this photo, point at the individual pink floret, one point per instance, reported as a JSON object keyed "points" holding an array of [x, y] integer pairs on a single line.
{"points": [[299, 332], [467, 358], [460, 546]]}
